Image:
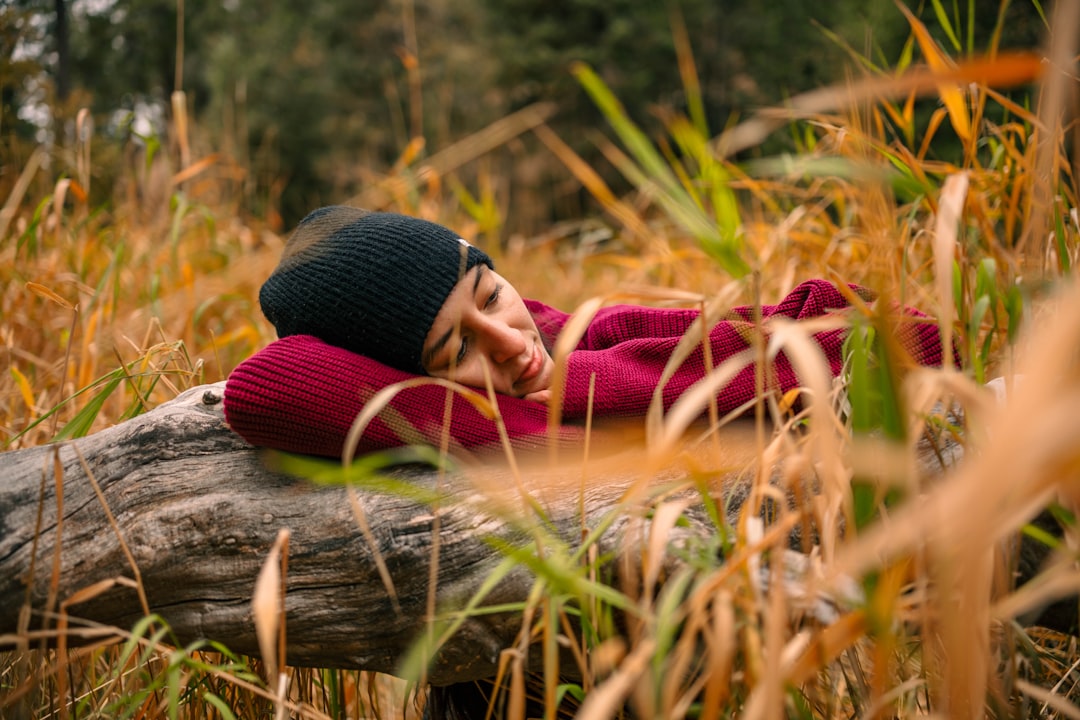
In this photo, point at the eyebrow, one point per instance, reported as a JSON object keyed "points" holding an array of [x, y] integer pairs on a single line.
{"points": [[438, 345]]}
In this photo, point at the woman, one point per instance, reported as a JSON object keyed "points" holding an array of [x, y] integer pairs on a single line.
{"points": [[365, 300]]}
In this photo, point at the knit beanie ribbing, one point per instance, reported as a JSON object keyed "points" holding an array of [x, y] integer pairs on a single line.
{"points": [[369, 282]]}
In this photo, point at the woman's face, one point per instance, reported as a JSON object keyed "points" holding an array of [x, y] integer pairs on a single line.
{"points": [[484, 321]]}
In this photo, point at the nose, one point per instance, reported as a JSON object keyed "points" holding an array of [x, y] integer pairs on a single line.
{"points": [[504, 342]]}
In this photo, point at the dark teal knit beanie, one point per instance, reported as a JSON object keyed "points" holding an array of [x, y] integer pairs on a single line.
{"points": [[365, 281]]}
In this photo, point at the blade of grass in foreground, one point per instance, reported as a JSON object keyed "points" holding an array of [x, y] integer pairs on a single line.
{"points": [[80, 425], [654, 177], [110, 380]]}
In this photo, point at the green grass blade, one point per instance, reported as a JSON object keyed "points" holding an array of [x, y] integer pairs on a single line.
{"points": [[80, 425], [857, 354], [946, 24], [655, 178], [219, 705]]}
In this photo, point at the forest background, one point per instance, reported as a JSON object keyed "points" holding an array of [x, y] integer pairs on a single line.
{"points": [[310, 99]]}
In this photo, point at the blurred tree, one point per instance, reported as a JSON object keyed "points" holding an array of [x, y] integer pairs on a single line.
{"points": [[313, 97], [747, 55], [20, 40], [125, 51], [63, 62], [327, 87], [305, 87], [21, 89]]}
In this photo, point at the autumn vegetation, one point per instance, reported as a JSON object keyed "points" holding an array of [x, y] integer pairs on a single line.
{"points": [[943, 177]]}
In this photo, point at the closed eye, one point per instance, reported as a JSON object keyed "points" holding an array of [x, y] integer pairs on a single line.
{"points": [[493, 298], [491, 301]]}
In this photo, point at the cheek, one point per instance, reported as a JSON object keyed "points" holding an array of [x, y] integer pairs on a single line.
{"points": [[471, 372], [523, 320]]}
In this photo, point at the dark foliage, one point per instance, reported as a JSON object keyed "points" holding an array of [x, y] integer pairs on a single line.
{"points": [[310, 96]]}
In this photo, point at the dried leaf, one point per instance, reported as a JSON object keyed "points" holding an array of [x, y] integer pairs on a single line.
{"points": [[24, 388], [950, 211], [42, 291], [939, 62], [266, 608], [195, 169]]}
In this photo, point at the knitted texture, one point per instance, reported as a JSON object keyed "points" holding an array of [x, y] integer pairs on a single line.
{"points": [[627, 347], [302, 395], [299, 394], [368, 282]]}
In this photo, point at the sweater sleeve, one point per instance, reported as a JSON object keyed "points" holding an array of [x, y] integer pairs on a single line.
{"points": [[628, 347], [300, 394]]}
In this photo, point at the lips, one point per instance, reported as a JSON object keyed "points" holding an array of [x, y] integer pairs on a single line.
{"points": [[536, 364]]}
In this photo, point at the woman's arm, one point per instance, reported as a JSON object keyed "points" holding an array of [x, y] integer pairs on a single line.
{"points": [[628, 347], [302, 395]]}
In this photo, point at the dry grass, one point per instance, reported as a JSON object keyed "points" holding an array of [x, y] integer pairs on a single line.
{"points": [[107, 311]]}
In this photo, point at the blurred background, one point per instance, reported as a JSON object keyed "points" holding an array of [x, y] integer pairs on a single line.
{"points": [[307, 103]]}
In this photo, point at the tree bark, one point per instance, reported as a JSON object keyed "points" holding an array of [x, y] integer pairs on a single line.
{"points": [[63, 63], [199, 510]]}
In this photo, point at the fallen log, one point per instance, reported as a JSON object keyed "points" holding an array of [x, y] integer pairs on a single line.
{"points": [[198, 510]]}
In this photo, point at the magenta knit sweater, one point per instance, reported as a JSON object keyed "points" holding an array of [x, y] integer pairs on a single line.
{"points": [[301, 395]]}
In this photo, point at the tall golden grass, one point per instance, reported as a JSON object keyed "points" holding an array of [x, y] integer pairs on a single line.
{"points": [[109, 310]]}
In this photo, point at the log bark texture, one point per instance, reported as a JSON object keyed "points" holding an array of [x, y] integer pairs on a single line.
{"points": [[199, 511]]}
